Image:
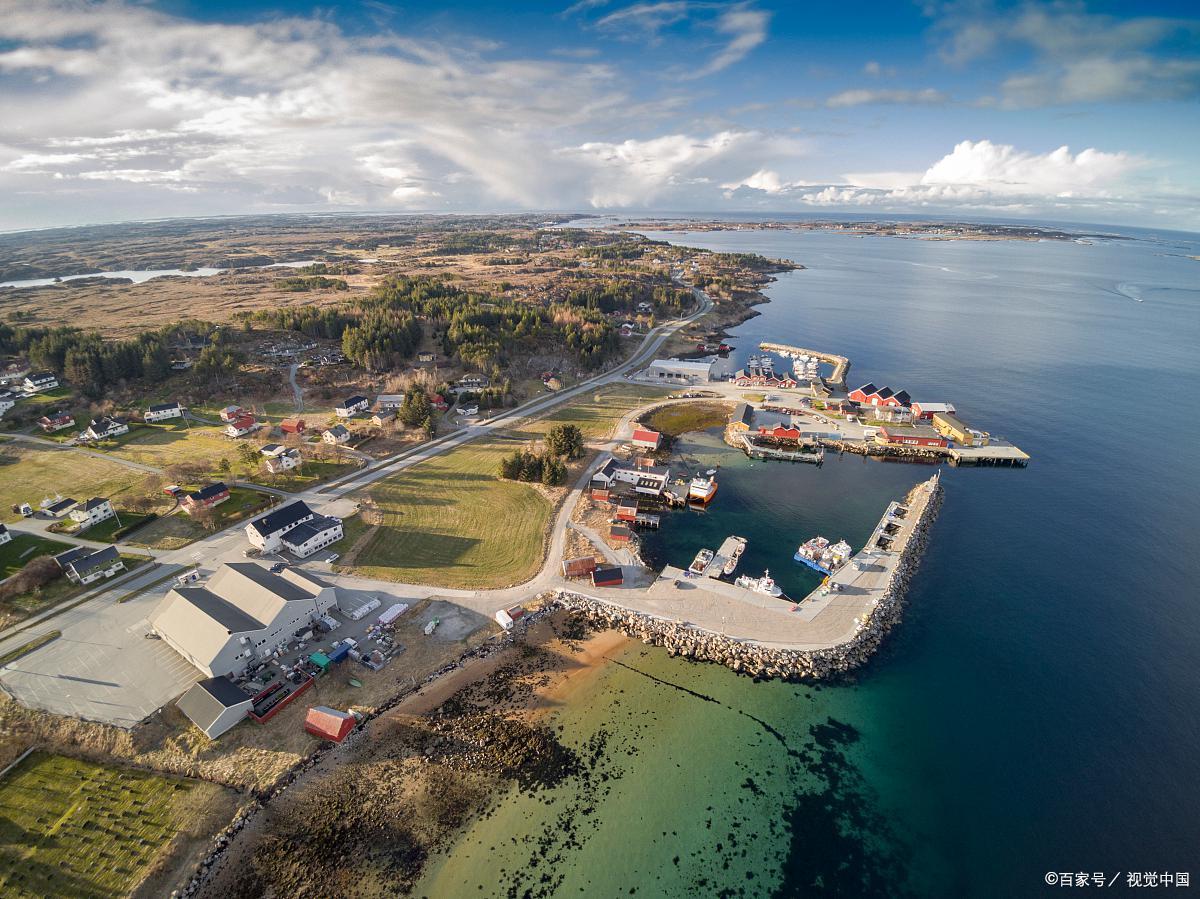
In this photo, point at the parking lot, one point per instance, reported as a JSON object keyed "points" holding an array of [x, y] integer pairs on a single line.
{"points": [[102, 668]]}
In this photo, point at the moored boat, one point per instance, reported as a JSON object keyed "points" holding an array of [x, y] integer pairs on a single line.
{"points": [[731, 562], [765, 584], [703, 487], [701, 562], [820, 555]]}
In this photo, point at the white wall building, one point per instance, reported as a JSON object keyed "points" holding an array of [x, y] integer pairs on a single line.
{"points": [[92, 512], [317, 533], [241, 615], [267, 532], [681, 371], [163, 411]]}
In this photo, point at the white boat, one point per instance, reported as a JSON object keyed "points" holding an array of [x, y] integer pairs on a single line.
{"points": [[701, 562], [731, 562], [765, 584], [703, 487]]}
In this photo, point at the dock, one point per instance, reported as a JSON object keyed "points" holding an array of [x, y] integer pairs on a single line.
{"points": [[995, 453], [728, 547], [841, 365], [754, 451]]}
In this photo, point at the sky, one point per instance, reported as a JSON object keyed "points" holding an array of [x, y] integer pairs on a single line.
{"points": [[1066, 111]]}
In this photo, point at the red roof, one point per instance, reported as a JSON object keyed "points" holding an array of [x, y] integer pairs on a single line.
{"points": [[328, 724], [243, 421], [647, 436], [292, 425]]}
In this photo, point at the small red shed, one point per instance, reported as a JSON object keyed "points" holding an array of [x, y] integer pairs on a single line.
{"points": [[607, 577], [329, 724], [292, 426]]}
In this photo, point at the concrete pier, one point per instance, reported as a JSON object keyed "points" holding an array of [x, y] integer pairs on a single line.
{"points": [[827, 633]]}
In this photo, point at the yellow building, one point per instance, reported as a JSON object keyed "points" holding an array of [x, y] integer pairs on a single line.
{"points": [[950, 427]]}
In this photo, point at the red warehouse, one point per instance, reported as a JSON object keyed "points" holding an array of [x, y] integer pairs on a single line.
{"points": [[918, 436]]}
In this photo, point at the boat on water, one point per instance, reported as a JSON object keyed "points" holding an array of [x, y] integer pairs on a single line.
{"points": [[735, 555], [765, 584], [823, 556], [701, 562], [703, 487]]}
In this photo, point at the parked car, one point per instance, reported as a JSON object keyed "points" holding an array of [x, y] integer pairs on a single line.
{"points": [[252, 551], [333, 557], [278, 567]]}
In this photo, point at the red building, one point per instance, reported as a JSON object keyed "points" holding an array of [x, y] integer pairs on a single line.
{"points": [[741, 379], [205, 497], [600, 494], [779, 432], [627, 511], [439, 402], [578, 567], [870, 395], [918, 436], [620, 533], [329, 724], [928, 410], [607, 577], [646, 439], [292, 426]]}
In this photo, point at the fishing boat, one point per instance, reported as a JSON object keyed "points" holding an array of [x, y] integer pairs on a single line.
{"points": [[820, 555], [735, 554], [703, 487], [701, 562], [765, 584]]}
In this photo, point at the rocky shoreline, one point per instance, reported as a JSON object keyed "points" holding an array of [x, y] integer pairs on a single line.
{"points": [[761, 661]]}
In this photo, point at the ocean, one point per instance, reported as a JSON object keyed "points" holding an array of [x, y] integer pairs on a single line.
{"points": [[1034, 713]]}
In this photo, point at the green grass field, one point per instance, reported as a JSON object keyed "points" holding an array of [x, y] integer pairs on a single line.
{"points": [[451, 522], [103, 532], [72, 828], [169, 443], [310, 474], [60, 591], [594, 413], [180, 529], [22, 548], [29, 472]]}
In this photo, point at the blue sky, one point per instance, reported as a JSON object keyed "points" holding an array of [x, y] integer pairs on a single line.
{"points": [[1067, 110]]}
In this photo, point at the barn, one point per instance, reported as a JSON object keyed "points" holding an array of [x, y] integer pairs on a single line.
{"points": [[644, 438]]}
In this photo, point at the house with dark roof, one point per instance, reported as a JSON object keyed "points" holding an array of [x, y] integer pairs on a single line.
{"points": [[284, 461], [742, 417], [241, 615], [56, 421], [205, 497], [5, 534], [38, 381], [8, 399], [163, 411], [312, 535], [267, 531], [58, 508], [104, 428], [351, 406], [337, 435], [215, 705], [82, 565], [93, 511]]}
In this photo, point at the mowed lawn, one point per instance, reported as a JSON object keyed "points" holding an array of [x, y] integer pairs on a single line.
{"points": [[23, 547], [72, 828], [169, 443], [451, 522], [29, 472]]}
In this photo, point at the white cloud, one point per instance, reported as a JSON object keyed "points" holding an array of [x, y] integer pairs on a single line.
{"points": [[1078, 56], [865, 97], [741, 28], [1003, 169]]}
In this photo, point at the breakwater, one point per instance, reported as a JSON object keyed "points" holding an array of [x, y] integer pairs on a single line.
{"points": [[758, 660]]}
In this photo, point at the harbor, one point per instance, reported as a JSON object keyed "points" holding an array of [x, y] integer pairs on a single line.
{"points": [[861, 603]]}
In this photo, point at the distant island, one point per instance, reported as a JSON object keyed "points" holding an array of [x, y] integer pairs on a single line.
{"points": [[929, 230]]}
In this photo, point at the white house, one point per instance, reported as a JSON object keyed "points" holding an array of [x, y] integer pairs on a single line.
{"points": [[163, 411], [56, 421], [103, 428], [267, 531], [337, 435], [241, 426], [351, 406], [92, 512], [82, 565], [5, 534], [471, 382], [240, 616], [8, 399], [40, 380], [316, 533], [681, 371], [284, 461], [648, 479]]}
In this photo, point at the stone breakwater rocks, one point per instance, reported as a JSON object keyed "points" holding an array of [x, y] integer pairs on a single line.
{"points": [[763, 661], [897, 451]]}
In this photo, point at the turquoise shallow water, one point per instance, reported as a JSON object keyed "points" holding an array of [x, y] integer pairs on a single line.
{"points": [[1035, 711]]}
